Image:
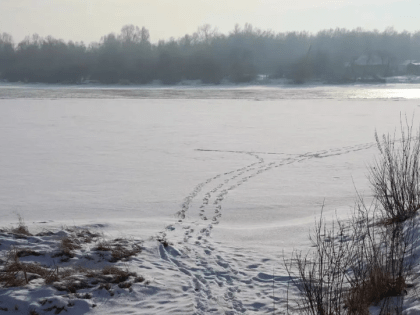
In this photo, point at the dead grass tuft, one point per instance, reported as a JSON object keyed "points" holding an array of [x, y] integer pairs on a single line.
{"points": [[83, 235], [123, 253], [104, 246], [70, 244], [125, 285], [120, 249], [21, 230], [139, 279], [16, 273], [72, 285], [379, 285], [119, 275], [67, 247]]}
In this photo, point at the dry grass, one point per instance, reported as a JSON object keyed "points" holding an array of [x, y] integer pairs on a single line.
{"points": [[83, 236], [366, 261], [119, 275], [125, 285], [395, 174], [25, 252], [120, 249], [16, 273], [379, 285], [73, 242], [104, 246], [123, 253], [82, 278], [21, 230], [67, 247], [70, 278], [70, 243], [353, 266]]}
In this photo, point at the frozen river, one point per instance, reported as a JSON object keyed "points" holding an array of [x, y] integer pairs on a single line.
{"points": [[233, 176], [265, 158]]}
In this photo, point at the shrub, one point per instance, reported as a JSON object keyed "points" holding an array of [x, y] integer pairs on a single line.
{"points": [[395, 176], [366, 261], [353, 265]]}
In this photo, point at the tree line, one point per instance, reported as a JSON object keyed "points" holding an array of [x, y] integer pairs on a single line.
{"points": [[206, 55]]}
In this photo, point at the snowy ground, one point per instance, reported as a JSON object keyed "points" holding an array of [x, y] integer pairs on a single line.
{"points": [[232, 184]]}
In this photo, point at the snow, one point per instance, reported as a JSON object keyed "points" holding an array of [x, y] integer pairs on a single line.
{"points": [[247, 168]]}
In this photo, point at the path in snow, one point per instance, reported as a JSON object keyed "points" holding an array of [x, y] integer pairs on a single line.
{"points": [[228, 279]]}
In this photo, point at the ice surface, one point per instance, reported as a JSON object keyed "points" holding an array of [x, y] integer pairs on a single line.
{"points": [[245, 176]]}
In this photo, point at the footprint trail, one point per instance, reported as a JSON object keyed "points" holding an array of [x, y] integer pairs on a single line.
{"points": [[224, 280]]}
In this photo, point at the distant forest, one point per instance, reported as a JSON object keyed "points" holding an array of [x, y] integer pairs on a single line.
{"points": [[207, 55]]}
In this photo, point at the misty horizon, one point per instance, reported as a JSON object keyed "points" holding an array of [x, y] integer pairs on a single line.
{"points": [[129, 57], [215, 32], [88, 21]]}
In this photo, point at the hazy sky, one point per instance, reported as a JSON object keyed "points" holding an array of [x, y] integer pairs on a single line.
{"points": [[88, 20]]}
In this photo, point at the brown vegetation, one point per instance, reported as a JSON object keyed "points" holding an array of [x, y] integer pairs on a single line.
{"points": [[366, 261], [15, 273], [120, 249], [21, 230]]}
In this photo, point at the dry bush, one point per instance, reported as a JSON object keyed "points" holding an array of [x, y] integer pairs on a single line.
{"points": [[320, 276], [381, 264], [367, 260], [354, 265], [395, 175]]}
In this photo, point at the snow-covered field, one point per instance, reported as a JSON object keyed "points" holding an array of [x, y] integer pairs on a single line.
{"points": [[233, 177]]}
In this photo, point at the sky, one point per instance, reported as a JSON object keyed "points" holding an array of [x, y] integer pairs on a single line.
{"points": [[89, 20]]}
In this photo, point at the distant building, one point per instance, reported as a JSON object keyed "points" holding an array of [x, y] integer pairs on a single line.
{"points": [[413, 68], [370, 65], [402, 67]]}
